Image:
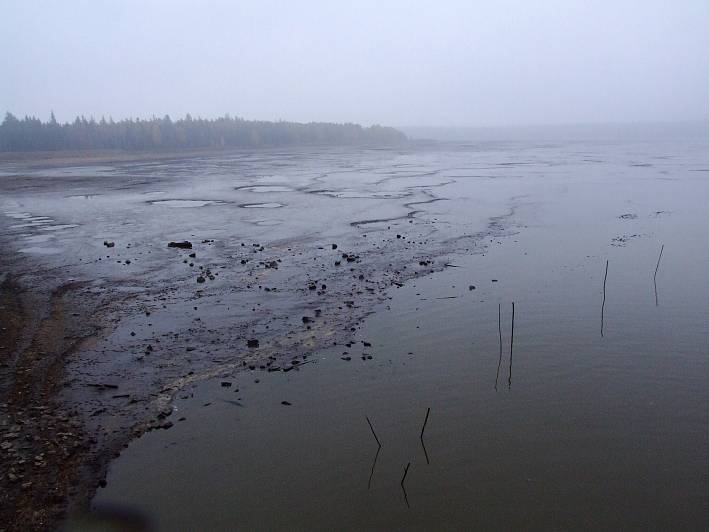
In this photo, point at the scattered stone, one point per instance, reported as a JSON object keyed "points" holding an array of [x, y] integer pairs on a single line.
{"points": [[108, 244], [200, 279], [185, 244], [471, 287], [253, 342], [226, 384], [286, 403]]}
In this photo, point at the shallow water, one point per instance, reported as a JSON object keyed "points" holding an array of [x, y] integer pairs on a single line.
{"points": [[595, 416], [597, 419]]}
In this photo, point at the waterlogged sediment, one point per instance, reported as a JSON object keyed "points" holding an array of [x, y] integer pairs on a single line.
{"points": [[116, 323]]}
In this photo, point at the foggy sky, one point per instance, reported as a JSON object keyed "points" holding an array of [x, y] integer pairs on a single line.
{"points": [[462, 63]]}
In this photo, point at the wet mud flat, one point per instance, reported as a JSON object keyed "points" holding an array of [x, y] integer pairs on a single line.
{"points": [[110, 320], [308, 289]]}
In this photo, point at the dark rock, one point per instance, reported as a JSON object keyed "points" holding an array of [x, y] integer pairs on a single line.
{"points": [[226, 384], [185, 244], [108, 244], [193, 255], [334, 246], [471, 287], [286, 403], [253, 342], [200, 279]]}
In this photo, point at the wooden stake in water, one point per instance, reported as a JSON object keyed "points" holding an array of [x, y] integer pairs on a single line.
{"points": [[512, 341], [425, 452], [499, 332], [406, 470], [372, 429], [603, 306], [654, 277]]}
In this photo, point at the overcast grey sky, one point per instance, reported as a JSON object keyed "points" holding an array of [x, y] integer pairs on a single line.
{"points": [[463, 63]]}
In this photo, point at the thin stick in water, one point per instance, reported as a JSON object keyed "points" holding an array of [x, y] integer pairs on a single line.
{"points": [[425, 421], [662, 248], [512, 341], [603, 306], [406, 470], [425, 452], [654, 277], [372, 429], [499, 331]]}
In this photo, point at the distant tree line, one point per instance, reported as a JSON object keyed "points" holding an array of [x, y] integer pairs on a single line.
{"points": [[30, 133]]}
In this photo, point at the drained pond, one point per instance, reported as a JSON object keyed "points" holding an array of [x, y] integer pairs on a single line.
{"points": [[446, 336]]}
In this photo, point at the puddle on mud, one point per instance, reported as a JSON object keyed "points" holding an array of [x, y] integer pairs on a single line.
{"points": [[359, 194], [84, 196], [270, 205], [265, 188], [182, 203], [264, 223]]}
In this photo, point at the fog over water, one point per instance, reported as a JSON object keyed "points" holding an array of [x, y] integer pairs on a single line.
{"points": [[453, 63]]}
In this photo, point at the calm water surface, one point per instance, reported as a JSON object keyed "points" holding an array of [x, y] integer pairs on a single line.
{"points": [[566, 429]]}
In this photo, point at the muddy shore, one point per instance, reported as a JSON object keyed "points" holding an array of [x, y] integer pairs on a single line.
{"points": [[92, 357], [353, 282]]}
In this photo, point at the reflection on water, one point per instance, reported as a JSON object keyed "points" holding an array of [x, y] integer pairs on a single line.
{"points": [[423, 444], [654, 277]]}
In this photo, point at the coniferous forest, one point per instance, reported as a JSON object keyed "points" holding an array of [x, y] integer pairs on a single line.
{"points": [[31, 134]]}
